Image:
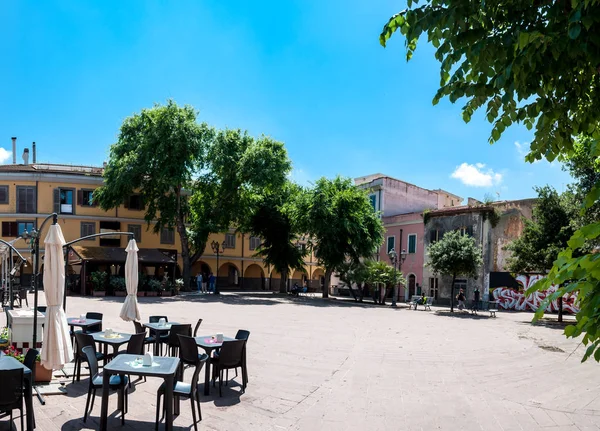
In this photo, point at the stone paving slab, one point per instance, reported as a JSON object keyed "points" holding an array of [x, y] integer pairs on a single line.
{"points": [[335, 365]]}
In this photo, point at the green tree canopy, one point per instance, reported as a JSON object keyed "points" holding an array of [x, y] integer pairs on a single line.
{"points": [[545, 235], [156, 155], [272, 219], [455, 254], [534, 63], [340, 222]]}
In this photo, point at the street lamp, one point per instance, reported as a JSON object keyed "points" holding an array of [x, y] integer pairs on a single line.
{"points": [[394, 259], [217, 249]]}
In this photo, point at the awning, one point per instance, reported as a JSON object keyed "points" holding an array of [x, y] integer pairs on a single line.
{"points": [[146, 256]]}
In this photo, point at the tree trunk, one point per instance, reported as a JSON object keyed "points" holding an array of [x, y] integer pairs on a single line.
{"points": [[352, 292], [361, 290], [452, 295], [283, 282], [328, 273], [560, 309], [185, 245]]}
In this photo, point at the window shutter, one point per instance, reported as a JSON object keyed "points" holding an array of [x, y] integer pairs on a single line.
{"points": [[31, 199], [21, 200], [9, 228], [126, 202], [80, 197], [93, 203], [56, 201]]}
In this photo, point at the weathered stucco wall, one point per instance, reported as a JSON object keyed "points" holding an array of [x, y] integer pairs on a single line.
{"points": [[401, 198]]}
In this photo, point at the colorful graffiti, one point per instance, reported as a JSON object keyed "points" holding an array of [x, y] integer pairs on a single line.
{"points": [[513, 299]]}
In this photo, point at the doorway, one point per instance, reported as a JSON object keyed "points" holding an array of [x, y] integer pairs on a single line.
{"points": [[412, 285]]}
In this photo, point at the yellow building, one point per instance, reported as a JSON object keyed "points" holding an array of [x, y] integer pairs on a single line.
{"points": [[29, 192]]}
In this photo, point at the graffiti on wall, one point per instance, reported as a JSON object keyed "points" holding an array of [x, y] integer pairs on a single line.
{"points": [[515, 299]]}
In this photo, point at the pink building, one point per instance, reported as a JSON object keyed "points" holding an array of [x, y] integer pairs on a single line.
{"points": [[401, 206], [404, 233]]}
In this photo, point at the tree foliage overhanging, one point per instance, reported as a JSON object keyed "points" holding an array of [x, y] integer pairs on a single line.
{"points": [[535, 63]]}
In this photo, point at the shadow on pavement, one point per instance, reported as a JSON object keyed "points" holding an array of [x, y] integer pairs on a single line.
{"points": [[461, 315]]}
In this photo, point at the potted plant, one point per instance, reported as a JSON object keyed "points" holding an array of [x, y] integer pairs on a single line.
{"points": [[99, 283], [142, 286], [118, 286], [4, 337], [154, 287], [166, 287], [42, 374], [177, 286]]}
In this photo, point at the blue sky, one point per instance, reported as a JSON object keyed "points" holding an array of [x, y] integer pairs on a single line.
{"points": [[307, 72]]}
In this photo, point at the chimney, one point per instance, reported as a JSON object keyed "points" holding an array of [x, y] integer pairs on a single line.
{"points": [[26, 156], [33, 159], [14, 150]]}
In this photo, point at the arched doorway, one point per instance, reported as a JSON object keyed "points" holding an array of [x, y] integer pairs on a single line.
{"points": [[274, 280], [318, 279], [254, 278], [412, 285], [228, 276], [298, 277]]}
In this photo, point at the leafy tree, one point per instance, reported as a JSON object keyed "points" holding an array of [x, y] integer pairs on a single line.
{"points": [[239, 171], [157, 154], [455, 254], [354, 273], [381, 274], [545, 235], [341, 223], [534, 63], [272, 220]]}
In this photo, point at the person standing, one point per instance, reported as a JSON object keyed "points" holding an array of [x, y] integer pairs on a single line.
{"points": [[205, 284], [211, 282], [199, 281], [476, 298]]}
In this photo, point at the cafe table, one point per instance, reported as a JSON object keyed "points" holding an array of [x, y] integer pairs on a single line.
{"points": [[116, 340], [125, 364], [209, 343], [159, 329], [10, 363]]}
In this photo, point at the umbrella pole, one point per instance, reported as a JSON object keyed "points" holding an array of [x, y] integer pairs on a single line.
{"points": [[10, 280], [66, 280]]}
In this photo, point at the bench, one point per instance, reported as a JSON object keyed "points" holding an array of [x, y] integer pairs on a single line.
{"points": [[414, 301], [428, 303], [491, 306]]}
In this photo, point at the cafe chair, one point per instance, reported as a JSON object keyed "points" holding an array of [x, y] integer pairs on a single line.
{"points": [[188, 353], [173, 339], [115, 382], [135, 346], [81, 341], [11, 395], [139, 329], [242, 334], [197, 327], [230, 356]]}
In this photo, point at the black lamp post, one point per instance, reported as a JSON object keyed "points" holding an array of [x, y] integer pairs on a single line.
{"points": [[217, 249], [395, 259]]}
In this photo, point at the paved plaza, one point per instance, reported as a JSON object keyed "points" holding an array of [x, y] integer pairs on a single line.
{"points": [[330, 365]]}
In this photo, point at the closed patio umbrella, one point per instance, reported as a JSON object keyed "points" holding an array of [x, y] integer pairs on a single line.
{"points": [[57, 350], [130, 309]]}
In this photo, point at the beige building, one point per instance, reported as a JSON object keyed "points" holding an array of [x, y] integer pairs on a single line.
{"points": [[30, 192]]}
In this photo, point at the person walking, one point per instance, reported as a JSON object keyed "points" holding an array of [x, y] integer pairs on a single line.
{"points": [[199, 281], [205, 284], [461, 299]]}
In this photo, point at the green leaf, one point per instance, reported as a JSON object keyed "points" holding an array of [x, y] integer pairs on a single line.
{"points": [[523, 40], [570, 330], [574, 31]]}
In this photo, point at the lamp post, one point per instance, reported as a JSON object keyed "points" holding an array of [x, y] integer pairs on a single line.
{"points": [[218, 249], [394, 260]]}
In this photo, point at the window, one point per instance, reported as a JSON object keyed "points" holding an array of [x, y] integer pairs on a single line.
{"points": [[3, 194], [433, 287], [254, 242], [134, 202], [391, 243], [373, 200], [435, 235], [85, 198], [26, 199], [88, 228], [110, 240], [9, 229], [136, 230], [229, 240], [167, 236], [66, 201], [412, 243], [23, 226]]}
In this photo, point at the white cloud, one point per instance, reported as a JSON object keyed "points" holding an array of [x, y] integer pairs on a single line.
{"points": [[4, 155], [476, 175], [521, 149]]}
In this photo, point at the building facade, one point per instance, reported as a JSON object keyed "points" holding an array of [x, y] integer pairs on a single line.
{"points": [[30, 192], [493, 226]]}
